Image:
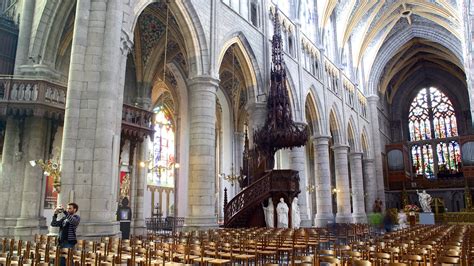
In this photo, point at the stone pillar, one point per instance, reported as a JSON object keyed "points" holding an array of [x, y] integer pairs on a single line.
{"points": [[323, 181], [343, 214], [160, 202], [138, 190], [375, 143], [31, 220], [297, 162], [167, 209], [11, 182], [24, 35], [370, 184], [91, 140], [357, 183], [202, 172], [257, 114]]}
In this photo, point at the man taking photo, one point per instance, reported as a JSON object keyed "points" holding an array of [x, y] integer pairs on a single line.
{"points": [[67, 224]]}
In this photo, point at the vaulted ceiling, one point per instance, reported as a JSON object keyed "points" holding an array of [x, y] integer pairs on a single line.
{"points": [[368, 23]]}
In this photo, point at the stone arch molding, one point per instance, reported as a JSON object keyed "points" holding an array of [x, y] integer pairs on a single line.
{"points": [[365, 143], [351, 125], [316, 113], [252, 74], [46, 35], [335, 124], [392, 45], [191, 29]]}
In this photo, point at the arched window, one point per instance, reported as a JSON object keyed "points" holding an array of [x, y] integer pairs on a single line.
{"points": [[161, 168], [433, 134]]}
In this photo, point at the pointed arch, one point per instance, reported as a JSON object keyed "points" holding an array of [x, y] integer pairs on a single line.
{"points": [[352, 136], [335, 127], [313, 114], [364, 141], [189, 25], [291, 86], [47, 35], [247, 58]]}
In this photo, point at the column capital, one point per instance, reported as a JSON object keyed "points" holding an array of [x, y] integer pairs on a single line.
{"points": [[321, 140], [204, 80], [356, 154], [372, 98], [341, 147], [126, 43]]}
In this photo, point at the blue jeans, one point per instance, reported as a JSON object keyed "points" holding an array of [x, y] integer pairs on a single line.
{"points": [[62, 261]]}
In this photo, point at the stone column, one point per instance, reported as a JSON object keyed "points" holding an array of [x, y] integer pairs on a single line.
{"points": [[323, 181], [375, 143], [202, 172], [297, 162], [11, 185], [160, 202], [370, 184], [357, 183], [167, 209], [138, 191], [91, 137], [257, 114], [31, 221], [24, 35], [343, 214]]}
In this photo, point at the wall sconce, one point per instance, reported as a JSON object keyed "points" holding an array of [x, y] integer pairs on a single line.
{"points": [[335, 190], [311, 188], [50, 168]]}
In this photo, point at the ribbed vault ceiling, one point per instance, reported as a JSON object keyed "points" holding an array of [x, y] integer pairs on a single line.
{"points": [[367, 23]]}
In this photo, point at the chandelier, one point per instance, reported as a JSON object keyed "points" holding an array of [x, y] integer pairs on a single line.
{"points": [[50, 168]]}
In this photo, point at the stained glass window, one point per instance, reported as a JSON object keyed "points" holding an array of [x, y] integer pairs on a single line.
{"points": [[161, 170], [432, 127]]}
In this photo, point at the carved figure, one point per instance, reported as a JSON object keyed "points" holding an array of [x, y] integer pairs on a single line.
{"points": [[282, 211], [425, 200], [269, 212], [295, 214]]}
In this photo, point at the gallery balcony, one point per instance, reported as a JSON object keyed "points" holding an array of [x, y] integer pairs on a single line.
{"points": [[23, 97]]}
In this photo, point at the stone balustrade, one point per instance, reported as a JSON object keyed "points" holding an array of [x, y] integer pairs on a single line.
{"points": [[32, 97]]}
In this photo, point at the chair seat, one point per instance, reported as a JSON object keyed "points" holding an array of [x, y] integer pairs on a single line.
{"points": [[219, 261]]}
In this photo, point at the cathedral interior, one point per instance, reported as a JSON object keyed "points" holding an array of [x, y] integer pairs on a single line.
{"points": [[284, 121]]}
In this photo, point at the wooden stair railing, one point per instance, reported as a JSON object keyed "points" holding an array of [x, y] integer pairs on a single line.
{"points": [[273, 183]]}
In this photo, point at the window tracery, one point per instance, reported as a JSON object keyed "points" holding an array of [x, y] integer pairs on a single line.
{"points": [[433, 130]]}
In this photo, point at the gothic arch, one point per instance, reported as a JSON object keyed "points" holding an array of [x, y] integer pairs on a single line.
{"points": [[296, 112], [364, 143], [335, 128], [313, 114], [191, 30], [46, 37], [395, 42], [246, 56], [352, 139]]}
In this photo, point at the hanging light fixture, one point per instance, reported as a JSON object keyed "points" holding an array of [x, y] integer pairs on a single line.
{"points": [[166, 40]]}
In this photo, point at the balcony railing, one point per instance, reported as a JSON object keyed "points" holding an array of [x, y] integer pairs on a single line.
{"points": [[31, 97]]}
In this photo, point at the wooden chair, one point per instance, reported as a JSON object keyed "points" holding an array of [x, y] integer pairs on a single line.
{"points": [[361, 263], [448, 260]]}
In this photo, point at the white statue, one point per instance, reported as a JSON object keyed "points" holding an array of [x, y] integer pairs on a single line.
{"points": [[269, 214], [425, 200], [295, 214], [282, 211], [402, 220]]}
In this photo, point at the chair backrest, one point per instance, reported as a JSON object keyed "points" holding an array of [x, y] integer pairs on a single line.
{"points": [[362, 263]]}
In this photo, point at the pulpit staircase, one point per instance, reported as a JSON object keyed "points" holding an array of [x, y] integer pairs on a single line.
{"points": [[245, 209], [278, 132]]}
